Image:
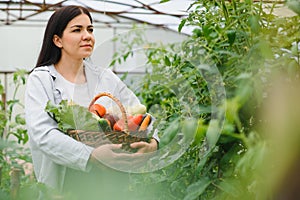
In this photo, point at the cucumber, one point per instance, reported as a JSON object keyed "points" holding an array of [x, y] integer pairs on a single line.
{"points": [[104, 125]]}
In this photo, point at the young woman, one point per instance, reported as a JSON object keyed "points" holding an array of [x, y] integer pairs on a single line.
{"points": [[62, 72]]}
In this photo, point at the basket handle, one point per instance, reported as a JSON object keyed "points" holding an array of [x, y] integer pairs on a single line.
{"points": [[118, 102]]}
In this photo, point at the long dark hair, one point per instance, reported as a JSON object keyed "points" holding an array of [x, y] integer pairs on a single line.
{"points": [[50, 53]]}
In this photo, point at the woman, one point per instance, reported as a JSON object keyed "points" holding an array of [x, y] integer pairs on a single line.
{"points": [[61, 72]]}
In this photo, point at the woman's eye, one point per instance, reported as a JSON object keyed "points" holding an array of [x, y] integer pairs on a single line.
{"points": [[76, 30], [91, 30]]}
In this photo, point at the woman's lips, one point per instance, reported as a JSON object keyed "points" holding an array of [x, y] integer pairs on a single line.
{"points": [[87, 45]]}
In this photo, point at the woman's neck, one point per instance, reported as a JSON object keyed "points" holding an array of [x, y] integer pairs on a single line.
{"points": [[72, 71]]}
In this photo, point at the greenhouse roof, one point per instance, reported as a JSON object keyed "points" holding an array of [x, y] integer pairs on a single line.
{"points": [[110, 13]]}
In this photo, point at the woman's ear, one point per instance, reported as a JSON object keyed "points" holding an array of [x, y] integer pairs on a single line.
{"points": [[57, 41]]}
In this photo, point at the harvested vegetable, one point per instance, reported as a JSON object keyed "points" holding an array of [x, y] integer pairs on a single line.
{"points": [[111, 118], [131, 110], [133, 123], [98, 109], [72, 116], [104, 125], [145, 123], [136, 109]]}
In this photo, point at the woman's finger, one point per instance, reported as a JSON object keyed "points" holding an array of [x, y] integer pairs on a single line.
{"points": [[136, 145], [115, 146]]}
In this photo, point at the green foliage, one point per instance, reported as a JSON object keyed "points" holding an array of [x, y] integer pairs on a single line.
{"points": [[13, 135], [247, 45], [66, 115], [163, 1], [13, 152]]}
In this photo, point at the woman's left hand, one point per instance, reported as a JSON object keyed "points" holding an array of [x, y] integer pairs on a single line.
{"points": [[145, 147]]}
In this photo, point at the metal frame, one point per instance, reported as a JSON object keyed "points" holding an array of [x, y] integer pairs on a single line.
{"points": [[27, 9]]}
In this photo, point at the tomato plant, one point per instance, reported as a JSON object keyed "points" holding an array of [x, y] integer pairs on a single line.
{"points": [[247, 45]]}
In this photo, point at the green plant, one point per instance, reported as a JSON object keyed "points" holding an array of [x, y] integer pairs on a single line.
{"points": [[15, 121], [13, 134], [247, 45]]}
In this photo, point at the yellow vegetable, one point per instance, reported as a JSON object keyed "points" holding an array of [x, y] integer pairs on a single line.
{"points": [[145, 123]]}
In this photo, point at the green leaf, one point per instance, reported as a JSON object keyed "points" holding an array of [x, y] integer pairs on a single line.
{"points": [[202, 162], [228, 128], [164, 1], [189, 130], [243, 94], [197, 32], [19, 75], [254, 23], [233, 106], [1, 89], [169, 133], [12, 102], [125, 56], [182, 23], [196, 189], [229, 187], [201, 132], [206, 31], [231, 35], [72, 116], [20, 120], [265, 49], [113, 62], [167, 61], [213, 133]]}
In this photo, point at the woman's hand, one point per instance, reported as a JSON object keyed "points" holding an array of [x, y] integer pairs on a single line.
{"points": [[105, 154], [145, 147]]}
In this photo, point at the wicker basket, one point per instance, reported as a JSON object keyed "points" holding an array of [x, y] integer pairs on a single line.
{"points": [[95, 139]]}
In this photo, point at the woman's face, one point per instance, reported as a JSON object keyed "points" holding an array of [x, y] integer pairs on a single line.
{"points": [[77, 41]]}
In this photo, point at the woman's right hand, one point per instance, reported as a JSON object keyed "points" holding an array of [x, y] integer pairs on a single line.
{"points": [[106, 155]]}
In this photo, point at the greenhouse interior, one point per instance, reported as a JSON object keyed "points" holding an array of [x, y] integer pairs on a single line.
{"points": [[217, 80]]}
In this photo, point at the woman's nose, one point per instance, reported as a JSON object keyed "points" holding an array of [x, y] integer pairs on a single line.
{"points": [[87, 35]]}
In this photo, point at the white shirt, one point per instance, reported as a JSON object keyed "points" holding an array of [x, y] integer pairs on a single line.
{"points": [[78, 93]]}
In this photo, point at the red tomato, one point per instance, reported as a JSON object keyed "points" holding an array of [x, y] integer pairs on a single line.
{"points": [[98, 109], [137, 119], [119, 125], [133, 123]]}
